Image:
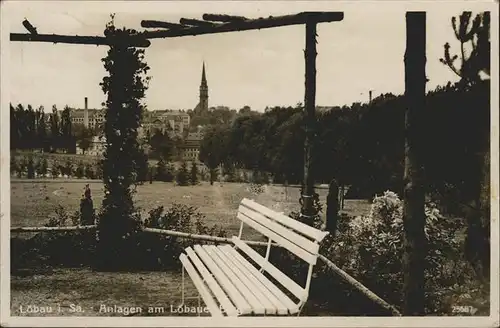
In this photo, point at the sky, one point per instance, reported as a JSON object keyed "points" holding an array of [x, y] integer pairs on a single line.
{"points": [[262, 68]]}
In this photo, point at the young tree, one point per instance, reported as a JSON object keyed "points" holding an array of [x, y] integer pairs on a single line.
{"points": [[80, 170], [68, 142], [213, 149], [42, 167], [194, 174], [68, 168], [55, 131], [125, 87], [414, 193], [170, 173], [161, 170], [182, 177], [84, 138], [472, 33], [31, 167], [89, 172], [474, 70]]}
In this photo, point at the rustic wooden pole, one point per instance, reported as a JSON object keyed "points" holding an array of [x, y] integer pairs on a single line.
{"points": [[160, 24], [223, 18], [360, 287], [75, 39], [54, 229], [414, 193], [310, 53], [246, 25]]}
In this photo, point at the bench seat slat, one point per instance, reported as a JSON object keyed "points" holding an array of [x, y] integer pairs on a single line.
{"points": [[283, 279], [226, 284], [282, 302], [205, 294], [253, 285], [257, 306], [300, 227], [289, 234], [302, 253], [212, 284]]}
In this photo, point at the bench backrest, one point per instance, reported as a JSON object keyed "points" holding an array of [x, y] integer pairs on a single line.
{"points": [[297, 237]]}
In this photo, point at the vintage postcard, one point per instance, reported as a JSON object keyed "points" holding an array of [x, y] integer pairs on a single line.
{"points": [[249, 163]]}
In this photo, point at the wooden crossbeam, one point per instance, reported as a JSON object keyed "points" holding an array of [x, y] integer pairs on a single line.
{"points": [[196, 22], [75, 39], [160, 24], [29, 27], [250, 24], [223, 18]]}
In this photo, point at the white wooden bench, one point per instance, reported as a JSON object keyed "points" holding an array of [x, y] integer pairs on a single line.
{"points": [[231, 285]]}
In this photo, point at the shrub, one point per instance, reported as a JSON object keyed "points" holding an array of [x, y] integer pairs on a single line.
{"points": [[194, 174], [80, 170], [89, 171], [68, 168], [22, 167], [161, 170], [43, 166], [98, 170], [30, 167], [170, 172], [370, 248], [163, 250], [182, 176], [14, 165], [55, 171]]}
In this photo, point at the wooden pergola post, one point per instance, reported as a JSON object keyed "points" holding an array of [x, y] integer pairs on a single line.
{"points": [[307, 210], [414, 192]]}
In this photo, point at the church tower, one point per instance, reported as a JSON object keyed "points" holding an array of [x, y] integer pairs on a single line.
{"points": [[203, 104]]}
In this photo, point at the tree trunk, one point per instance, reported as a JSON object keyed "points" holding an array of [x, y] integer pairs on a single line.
{"points": [[414, 194]]}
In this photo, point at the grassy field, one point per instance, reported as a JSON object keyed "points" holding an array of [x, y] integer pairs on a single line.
{"points": [[32, 203]]}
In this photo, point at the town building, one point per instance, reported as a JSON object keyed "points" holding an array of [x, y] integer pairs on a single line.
{"points": [[176, 123], [90, 118], [190, 149]]}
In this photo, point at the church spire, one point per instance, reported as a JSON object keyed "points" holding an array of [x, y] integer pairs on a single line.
{"points": [[203, 75], [203, 104]]}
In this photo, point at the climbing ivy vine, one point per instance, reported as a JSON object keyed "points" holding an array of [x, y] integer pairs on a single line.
{"points": [[125, 87]]}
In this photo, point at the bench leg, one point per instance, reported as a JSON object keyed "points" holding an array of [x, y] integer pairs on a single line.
{"points": [[199, 305], [182, 290]]}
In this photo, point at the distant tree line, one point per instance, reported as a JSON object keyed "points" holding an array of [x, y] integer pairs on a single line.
{"points": [[35, 129], [361, 145]]}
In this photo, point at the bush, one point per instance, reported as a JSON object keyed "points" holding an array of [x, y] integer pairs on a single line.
{"points": [[30, 167], [194, 174], [43, 166], [164, 251], [68, 168], [14, 165], [370, 248], [89, 171], [182, 176], [80, 170], [98, 170], [161, 170], [55, 171]]}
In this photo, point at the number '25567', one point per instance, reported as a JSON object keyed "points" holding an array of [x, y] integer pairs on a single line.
{"points": [[463, 309]]}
